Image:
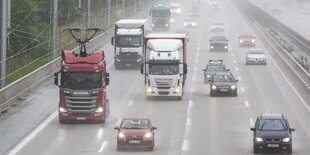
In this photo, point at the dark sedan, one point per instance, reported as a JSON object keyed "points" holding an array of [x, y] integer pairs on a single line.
{"points": [[218, 43], [135, 133], [223, 83], [213, 67], [272, 132]]}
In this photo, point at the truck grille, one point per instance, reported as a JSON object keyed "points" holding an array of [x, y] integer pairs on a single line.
{"points": [[81, 105]]}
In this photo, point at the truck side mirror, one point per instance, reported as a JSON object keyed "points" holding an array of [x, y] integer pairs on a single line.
{"points": [[252, 129], [56, 79], [185, 69], [142, 68], [107, 81], [106, 74], [112, 40]]}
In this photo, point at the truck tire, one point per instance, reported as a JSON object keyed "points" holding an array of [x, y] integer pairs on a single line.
{"points": [[149, 98], [117, 67], [179, 98]]}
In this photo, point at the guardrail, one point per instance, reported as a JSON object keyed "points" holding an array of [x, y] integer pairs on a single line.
{"points": [[267, 23], [19, 88]]}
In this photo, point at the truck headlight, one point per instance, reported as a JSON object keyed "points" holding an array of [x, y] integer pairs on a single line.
{"points": [[178, 11], [167, 25], [99, 110], [211, 47], [153, 25], [171, 20], [177, 90], [241, 41], [185, 24], [121, 135], [258, 139], [194, 24], [287, 139], [148, 135], [225, 47], [62, 110], [233, 87], [208, 76], [253, 41], [214, 87], [139, 60], [149, 90]]}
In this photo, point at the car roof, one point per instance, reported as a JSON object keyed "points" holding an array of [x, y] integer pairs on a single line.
{"points": [[272, 116], [247, 35], [218, 38], [223, 73], [135, 118]]}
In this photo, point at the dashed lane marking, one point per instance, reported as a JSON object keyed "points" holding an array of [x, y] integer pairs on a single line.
{"points": [[237, 69], [246, 104], [242, 89], [103, 146], [129, 103], [251, 121]]}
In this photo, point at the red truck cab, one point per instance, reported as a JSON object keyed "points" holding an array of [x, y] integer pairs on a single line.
{"points": [[82, 82]]}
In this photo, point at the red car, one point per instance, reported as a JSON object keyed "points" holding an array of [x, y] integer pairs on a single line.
{"points": [[135, 133]]}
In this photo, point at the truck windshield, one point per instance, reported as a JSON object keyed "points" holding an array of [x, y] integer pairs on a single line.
{"points": [[81, 80], [129, 41], [161, 13], [163, 69]]}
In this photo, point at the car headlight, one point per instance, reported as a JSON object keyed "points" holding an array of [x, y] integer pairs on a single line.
{"points": [[212, 47], [225, 47], [208, 76], [233, 87], [149, 90], [167, 25], [214, 87], [241, 41], [99, 110], [153, 25], [178, 11], [253, 41], [171, 20], [194, 24], [258, 139], [62, 110], [148, 135], [121, 135], [185, 24], [287, 139]]}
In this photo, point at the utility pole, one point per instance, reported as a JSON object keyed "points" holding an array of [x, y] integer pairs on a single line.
{"points": [[88, 14], [109, 13], [54, 20], [3, 40]]}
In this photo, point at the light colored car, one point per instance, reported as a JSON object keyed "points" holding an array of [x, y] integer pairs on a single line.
{"points": [[189, 23], [256, 56], [217, 27]]}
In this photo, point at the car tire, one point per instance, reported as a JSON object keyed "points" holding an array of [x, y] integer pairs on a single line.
{"points": [[179, 98], [290, 150], [255, 150]]}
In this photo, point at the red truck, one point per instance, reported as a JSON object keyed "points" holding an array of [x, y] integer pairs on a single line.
{"points": [[82, 82]]}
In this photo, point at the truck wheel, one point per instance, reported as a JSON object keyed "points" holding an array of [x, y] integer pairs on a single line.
{"points": [[179, 98], [117, 67], [62, 121], [149, 98]]}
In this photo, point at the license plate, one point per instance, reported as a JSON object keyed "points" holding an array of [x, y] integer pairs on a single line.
{"points": [[134, 141], [128, 65], [81, 118], [224, 90], [273, 145]]}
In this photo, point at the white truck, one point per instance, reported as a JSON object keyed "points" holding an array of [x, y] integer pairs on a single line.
{"points": [[128, 43], [164, 66]]}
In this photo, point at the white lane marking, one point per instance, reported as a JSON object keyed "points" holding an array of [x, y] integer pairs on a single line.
{"points": [[103, 146], [232, 54], [194, 78], [251, 121], [185, 145], [110, 64], [99, 133], [246, 104], [198, 49], [118, 122], [195, 68], [25, 141], [291, 85], [237, 69], [129, 103], [198, 53], [188, 122], [138, 89], [242, 89], [239, 78], [235, 61]]}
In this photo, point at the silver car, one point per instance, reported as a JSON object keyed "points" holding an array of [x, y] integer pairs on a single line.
{"points": [[189, 23], [217, 27], [255, 56]]}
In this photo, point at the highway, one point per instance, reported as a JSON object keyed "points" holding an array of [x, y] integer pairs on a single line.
{"points": [[198, 124]]}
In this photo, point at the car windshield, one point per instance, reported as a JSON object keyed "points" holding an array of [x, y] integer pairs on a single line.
{"points": [[217, 24], [190, 20], [248, 36], [81, 80], [256, 52], [135, 124], [218, 68], [218, 38], [181, 31], [129, 41], [163, 69], [272, 125], [161, 13], [222, 78]]}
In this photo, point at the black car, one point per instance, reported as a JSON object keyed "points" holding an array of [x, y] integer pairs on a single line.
{"points": [[218, 43], [272, 132], [213, 67], [247, 40], [223, 83]]}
